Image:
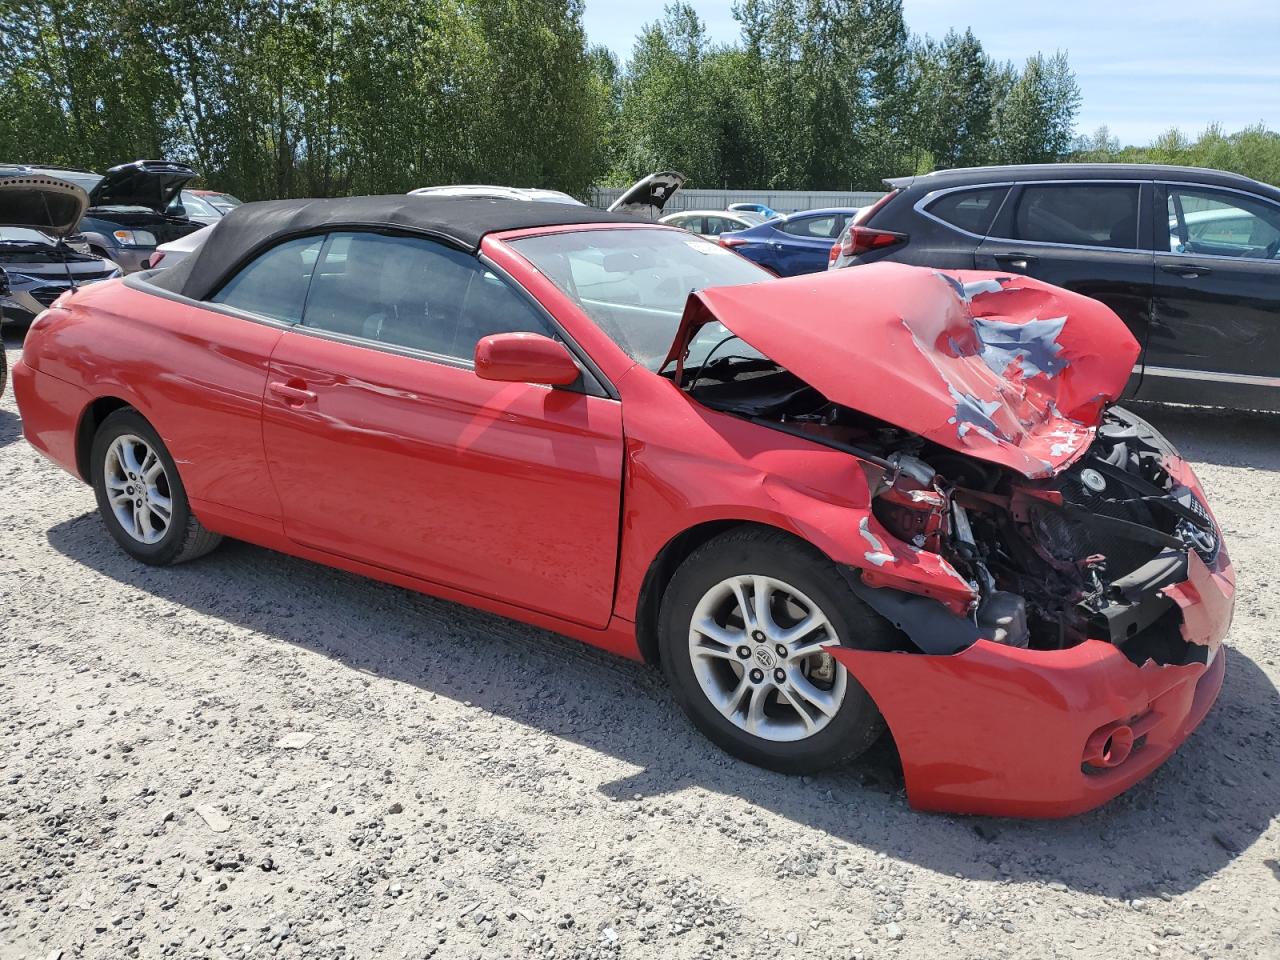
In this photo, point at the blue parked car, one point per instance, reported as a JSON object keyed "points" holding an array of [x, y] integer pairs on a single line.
{"points": [[800, 243]]}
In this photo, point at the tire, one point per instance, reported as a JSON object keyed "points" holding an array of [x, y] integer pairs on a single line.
{"points": [[797, 578], [4, 367], [125, 437]]}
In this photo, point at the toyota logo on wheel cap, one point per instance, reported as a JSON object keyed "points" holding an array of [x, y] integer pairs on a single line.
{"points": [[764, 658]]}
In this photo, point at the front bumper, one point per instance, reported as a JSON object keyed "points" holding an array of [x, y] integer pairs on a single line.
{"points": [[23, 304], [1015, 732], [131, 259]]}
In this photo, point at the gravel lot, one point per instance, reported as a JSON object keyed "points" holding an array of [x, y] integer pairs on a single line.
{"points": [[254, 756]]}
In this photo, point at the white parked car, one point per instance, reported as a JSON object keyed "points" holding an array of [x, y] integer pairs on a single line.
{"points": [[645, 198], [712, 223], [175, 251]]}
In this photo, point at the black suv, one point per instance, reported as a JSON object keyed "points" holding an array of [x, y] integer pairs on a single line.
{"points": [[1189, 259]]}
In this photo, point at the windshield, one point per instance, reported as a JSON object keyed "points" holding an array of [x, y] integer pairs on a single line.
{"points": [[634, 283], [195, 206], [223, 201], [21, 235]]}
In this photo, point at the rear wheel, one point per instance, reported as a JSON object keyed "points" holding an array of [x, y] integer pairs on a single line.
{"points": [[140, 495], [745, 621]]}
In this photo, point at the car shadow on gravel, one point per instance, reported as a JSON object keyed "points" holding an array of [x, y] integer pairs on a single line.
{"points": [[1229, 438], [10, 427], [1211, 801]]}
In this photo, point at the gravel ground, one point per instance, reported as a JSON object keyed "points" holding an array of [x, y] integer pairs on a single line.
{"points": [[254, 756]]}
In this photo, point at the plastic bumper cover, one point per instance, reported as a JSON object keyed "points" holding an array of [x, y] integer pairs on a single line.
{"points": [[1014, 732]]}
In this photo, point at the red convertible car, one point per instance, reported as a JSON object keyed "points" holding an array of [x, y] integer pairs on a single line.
{"points": [[825, 505]]}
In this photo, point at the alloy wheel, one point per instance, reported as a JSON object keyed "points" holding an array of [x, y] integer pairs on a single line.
{"points": [[756, 646], [138, 489]]}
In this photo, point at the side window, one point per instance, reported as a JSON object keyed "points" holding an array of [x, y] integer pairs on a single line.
{"points": [[410, 292], [815, 228], [714, 226], [970, 210], [493, 306], [1222, 224], [1083, 214], [275, 283]]}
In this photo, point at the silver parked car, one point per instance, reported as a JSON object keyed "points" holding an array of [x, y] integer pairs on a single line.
{"points": [[36, 215], [712, 223]]}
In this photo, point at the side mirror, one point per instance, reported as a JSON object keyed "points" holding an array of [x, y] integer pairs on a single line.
{"points": [[525, 358]]}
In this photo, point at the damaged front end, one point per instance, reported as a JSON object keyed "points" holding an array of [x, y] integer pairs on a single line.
{"points": [[1077, 587], [1093, 552]]}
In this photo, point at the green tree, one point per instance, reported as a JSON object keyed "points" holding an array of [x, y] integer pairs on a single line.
{"points": [[1035, 118]]}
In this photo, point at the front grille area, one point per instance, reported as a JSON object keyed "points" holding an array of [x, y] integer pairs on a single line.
{"points": [[1204, 542], [46, 295]]}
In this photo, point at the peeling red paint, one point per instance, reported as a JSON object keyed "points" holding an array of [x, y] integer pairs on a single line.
{"points": [[916, 348]]}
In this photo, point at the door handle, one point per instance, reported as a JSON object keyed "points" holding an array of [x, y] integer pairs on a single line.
{"points": [[1015, 261], [1185, 270], [290, 394]]}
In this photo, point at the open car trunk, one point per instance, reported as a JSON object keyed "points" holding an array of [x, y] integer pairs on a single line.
{"points": [[153, 184]]}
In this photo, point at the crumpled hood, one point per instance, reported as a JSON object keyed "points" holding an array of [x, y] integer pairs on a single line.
{"points": [[1004, 368], [40, 202]]}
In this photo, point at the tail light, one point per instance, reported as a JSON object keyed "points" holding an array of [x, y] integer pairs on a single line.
{"points": [[154, 260], [731, 242], [860, 240]]}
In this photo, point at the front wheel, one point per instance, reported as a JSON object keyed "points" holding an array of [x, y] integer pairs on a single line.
{"points": [[745, 623], [140, 495]]}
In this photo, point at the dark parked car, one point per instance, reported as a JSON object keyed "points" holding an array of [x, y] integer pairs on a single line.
{"points": [[792, 245], [128, 213], [1187, 257]]}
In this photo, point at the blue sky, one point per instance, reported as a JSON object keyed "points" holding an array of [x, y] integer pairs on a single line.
{"points": [[1142, 67]]}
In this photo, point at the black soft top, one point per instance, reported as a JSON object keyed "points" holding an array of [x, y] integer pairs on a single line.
{"points": [[461, 222]]}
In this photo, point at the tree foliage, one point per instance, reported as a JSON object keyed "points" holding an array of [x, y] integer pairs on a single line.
{"points": [[276, 98], [1253, 151], [831, 94], [273, 98]]}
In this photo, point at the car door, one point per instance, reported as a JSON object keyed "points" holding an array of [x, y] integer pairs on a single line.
{"points": [[387, 448], [692, 223], [713, 226], [1086, 236], [803, 244], [1215, 335]]}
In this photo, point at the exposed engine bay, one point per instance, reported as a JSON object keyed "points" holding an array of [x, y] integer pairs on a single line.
{"points": [[1081, 554]]}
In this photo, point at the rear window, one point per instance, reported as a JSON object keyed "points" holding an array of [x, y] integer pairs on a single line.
{"points": [[969, 210], [275, 284], [1080, 214], [826, 227]]}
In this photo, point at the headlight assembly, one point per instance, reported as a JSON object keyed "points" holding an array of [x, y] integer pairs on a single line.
{"points": [[135, 238]]}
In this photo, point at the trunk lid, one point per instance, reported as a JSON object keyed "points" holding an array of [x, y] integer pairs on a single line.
{"points": [[648, 197], [1003, 368], [144, 183]]}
